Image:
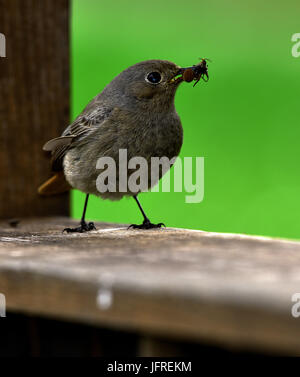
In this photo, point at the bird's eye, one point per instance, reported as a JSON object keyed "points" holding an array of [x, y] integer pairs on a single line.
{"points": [[154, 77]]}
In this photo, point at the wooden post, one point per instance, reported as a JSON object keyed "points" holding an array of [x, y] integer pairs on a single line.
{"points": [[34, 102]]}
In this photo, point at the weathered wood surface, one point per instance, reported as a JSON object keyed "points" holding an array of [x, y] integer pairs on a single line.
{"points": [[34, 102], [232, 290]]}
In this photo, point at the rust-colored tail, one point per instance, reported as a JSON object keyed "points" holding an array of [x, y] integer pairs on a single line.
{"points": [[55, 185]]}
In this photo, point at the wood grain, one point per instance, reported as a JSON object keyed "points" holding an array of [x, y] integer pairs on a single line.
{"points": [[34, 101], [225, 289]]}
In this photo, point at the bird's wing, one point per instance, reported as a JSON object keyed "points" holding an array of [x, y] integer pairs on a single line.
{"points": [[82, 126]]}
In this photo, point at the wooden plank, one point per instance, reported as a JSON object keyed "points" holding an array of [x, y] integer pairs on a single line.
{"points": [[224, 289], [34, 101]]}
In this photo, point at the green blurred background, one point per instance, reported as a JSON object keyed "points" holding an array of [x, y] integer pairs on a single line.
{"points": [[244, 121]]}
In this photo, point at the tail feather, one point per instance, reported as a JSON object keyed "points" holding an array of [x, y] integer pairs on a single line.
{"points": [[54, 185]]}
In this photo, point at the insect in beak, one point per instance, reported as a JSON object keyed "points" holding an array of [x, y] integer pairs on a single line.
{"points": [[194, 73]]}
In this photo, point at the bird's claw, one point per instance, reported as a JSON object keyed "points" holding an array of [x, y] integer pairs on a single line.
{"points": [[84, 227], [146, 225]]}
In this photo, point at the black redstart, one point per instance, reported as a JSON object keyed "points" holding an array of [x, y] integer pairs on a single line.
{"points": [[136, 113]]}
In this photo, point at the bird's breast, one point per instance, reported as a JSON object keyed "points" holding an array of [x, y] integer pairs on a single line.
{"points": [[157, 137]]}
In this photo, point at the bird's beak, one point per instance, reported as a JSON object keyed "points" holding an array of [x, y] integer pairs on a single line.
{"points": [[178, 76]]}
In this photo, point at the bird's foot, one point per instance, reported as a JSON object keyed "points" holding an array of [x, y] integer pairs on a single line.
{"points": [[84, 227], [146, 225]]}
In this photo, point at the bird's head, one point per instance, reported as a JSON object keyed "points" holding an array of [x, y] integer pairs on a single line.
{"points": [[153, 83]]}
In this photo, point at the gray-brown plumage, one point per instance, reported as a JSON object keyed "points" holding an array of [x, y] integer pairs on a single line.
{"points": [[136, 112]]}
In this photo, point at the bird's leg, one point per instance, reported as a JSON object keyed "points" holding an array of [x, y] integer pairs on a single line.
{"points": [[146, 223], [84, 227]]}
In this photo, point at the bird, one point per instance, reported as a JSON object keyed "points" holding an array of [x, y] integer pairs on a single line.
{"points": [[134, 112]]}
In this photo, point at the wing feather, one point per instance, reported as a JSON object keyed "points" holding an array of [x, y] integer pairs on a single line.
{"points": [[82, 126]]}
